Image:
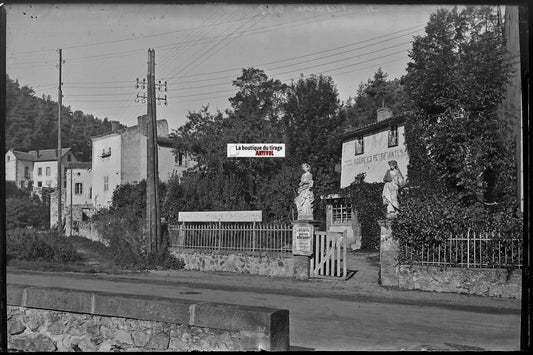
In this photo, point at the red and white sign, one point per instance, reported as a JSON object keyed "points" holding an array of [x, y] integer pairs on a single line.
{"points": [[254, 150]]}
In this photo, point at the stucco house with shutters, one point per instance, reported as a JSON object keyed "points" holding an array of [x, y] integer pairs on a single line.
{"points": [[366, 150], [120, 157], [36, 169]]}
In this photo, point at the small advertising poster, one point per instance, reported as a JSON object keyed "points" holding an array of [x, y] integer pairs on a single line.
{"points": [[302, 239], [256, 150]]}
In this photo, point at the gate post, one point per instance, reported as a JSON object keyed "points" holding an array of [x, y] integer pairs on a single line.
{"points": [[389, 273], [302, 248]]}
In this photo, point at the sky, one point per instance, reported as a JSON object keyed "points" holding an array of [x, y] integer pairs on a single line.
{"points": [[200, 49]]}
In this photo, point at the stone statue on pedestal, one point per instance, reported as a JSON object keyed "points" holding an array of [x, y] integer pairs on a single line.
{"points": [[393, 181], [305, 198]]}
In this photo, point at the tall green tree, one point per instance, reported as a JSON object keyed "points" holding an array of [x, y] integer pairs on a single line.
{"points": [[376, 92], [460, 162], [31, 123]]}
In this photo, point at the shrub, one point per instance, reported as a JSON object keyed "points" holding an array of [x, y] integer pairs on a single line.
{"points": [[22, 211], [32, 245], [366, 200]]}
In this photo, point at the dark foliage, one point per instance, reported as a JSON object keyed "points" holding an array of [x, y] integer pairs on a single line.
{"points": [[33, 245], [31, 123]]}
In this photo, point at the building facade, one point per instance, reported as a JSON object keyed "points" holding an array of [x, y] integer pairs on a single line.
{"points": [[19, 168], [37, 169], [120, 157], [366, 152]]}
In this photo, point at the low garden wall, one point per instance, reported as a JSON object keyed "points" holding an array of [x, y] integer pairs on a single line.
{"points": [[484, 282], [48, 319], [268, 265], [473, 281]]}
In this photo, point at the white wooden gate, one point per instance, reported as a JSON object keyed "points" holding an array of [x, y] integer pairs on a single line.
{"points": [[329, 257]]}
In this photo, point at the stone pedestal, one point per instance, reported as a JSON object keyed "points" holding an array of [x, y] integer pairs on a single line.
{"points": [[301, 267], [302, 246], [388, 256]]}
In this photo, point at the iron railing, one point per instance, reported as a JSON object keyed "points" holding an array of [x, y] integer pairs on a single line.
{"points": [[233, 237], [471, 250]]}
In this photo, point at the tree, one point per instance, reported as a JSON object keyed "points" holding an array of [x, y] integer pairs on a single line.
{"points": [[313, 122], [374, 94], [459, 158], [304, 115], [31, 123]]}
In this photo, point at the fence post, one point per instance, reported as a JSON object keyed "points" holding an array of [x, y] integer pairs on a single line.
{"points": [[218, 234], [253, 237], [389, 270], [181, 235], [468, 248]]}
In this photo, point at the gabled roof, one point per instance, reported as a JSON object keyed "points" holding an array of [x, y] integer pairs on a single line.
{"points": [[373, 127], [48, 154], [78, 165], [23, 155]]}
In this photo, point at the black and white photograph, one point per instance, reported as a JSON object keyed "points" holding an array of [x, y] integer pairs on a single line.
{"points": [[264, 177]]}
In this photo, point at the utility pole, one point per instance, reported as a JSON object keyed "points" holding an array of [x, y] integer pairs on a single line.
{"points": [[153, 218], [59, 169]]}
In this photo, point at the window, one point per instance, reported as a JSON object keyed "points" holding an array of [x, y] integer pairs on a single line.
{"points": [[106, 183], [106, 154], [393, 136], [8, 158], [91, 192], [179, 159], [78, 188], [26, 172], [47, 171], [342, 212], [359, 146], [39, 184], [68, 157], [40, 171]]}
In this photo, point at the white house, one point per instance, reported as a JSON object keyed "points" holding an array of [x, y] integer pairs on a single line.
{"points": [[19, 168], [366, 150], [45, 167], [120, 157], [36, 168], [78, 205]]}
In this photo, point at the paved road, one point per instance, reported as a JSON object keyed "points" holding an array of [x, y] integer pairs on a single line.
{"points": [[320, 322]]}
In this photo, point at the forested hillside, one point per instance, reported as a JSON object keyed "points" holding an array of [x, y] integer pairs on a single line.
{"points": [[31, 123]]}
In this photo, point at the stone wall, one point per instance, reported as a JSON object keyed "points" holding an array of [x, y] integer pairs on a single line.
{"points": [[242, 263], [483, 282], [46, 319], [472, 281]]}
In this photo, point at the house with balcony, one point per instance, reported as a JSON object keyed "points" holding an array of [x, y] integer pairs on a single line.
{"points": [[366, 151], [19, 168], [37, 169], [120, 157]]}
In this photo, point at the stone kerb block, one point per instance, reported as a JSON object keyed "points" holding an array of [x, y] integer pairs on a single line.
{"points": [[388, 256], [260, 327]]}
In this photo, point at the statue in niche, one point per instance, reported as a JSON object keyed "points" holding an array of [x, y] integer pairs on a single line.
{"points": [[393, 181], [305, 198]]}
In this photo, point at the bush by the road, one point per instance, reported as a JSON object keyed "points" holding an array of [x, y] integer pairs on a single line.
{"points": [[31, 245]]}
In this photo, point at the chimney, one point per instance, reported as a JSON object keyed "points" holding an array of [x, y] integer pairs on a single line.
{"points": [[38, 153], [384, 113], [142, 122], [57, 153], [114, 126]]}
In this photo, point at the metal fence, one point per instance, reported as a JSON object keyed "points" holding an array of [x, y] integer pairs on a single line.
{"points": [[233, 237], [471, 250]]}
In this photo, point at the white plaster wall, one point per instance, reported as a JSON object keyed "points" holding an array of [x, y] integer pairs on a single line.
{"points": [[47, 180], [82, 176], [374, 160], [11, 167], [107, 166]]}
